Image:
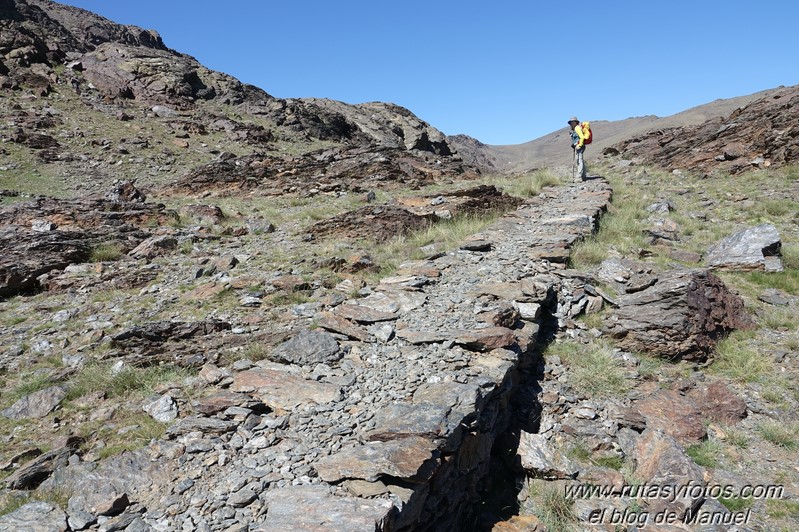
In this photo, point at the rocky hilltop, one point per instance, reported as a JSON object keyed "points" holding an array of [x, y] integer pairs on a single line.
{"points": [[763, 133], [224, 311], [83, 94], [553, 149]]}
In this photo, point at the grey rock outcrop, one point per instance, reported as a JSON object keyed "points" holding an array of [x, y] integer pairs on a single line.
{"points": [[308, 347], [682, 315], [753, 248], [35, 405], [35, 516]]}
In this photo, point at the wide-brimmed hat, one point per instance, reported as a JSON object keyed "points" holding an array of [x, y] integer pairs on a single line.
{"points": [[573, 119]]}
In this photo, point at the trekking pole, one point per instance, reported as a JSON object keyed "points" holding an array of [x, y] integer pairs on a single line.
{"points": [[574, 162]]}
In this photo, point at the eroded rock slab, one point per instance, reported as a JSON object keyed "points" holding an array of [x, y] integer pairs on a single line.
{"points": [[315, 508], [36, 405], [675, 414], [754, 248], [540, 458], [308, 347], [413, 459], [35, 517], [283, 390], [682, 315], [661, 461]]}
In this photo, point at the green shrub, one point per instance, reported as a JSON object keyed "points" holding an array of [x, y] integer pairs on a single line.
{"points": [[738, 360], [785, 435], [593, 369], [105, 252], [705, 454], [550, 504]]}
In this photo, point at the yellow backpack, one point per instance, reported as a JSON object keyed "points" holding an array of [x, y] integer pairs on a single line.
{"points": [[589, 136]]}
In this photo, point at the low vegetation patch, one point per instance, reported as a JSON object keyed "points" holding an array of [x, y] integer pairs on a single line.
{"points": [[785, 435], [705, 454], [620, 229], [781, 509], [12, 501], [140, 429], [593, 368], [446, 235], [529, 185], [736, 504], [105, 252], [127, 382], [550, 504], [737, 359]]}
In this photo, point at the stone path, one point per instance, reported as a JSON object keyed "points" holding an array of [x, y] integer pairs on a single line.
{"points": [[382, 415]]}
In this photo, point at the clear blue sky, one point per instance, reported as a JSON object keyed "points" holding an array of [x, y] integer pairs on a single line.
{"points": [[503, 72]]}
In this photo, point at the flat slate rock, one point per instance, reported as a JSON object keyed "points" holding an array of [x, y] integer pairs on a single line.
{"points": [[283, 390], [337, 324], [754, 248], [315, 508], [35, 517], [421, 337], [363, 314], [308, 348], [485, 339], [202, 424], [35, 405], [413, 459], [392, 300], [543, 460]]}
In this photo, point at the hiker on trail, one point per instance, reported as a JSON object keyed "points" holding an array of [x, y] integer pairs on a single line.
{"points": [[578, 145]]}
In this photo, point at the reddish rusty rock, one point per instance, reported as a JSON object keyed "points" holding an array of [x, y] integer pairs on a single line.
{"points": [[163, 331], [683, 315], [337, 324], [380, 223], [762, 133], [95, 214], [206, 214], [520, 523], [204, 292], [126, 191], [291, 283], [690, 257], [485, 339], [719, 403], [27, 255], [506, 316], [661, 461], [219, 402], [154, 246], [675, 414], [412, 459]]}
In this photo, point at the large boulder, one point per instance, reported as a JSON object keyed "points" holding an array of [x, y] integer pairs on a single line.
{"points": [[753, 248], [682, 315], [675, 414], [660, 461], [35, 516], [29, 254]]}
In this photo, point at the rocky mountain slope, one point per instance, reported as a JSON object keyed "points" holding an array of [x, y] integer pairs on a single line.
{"points": [[83, 95], [308, 315], [763, 133], [553, 149]]}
